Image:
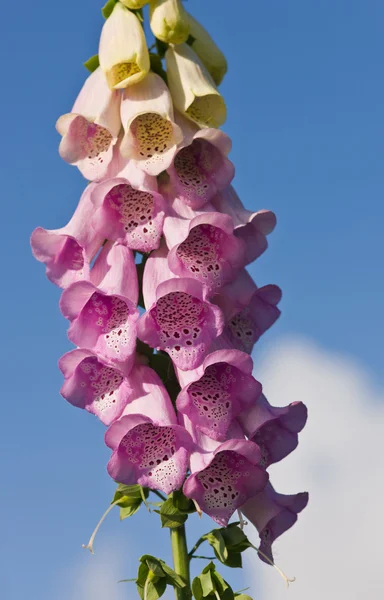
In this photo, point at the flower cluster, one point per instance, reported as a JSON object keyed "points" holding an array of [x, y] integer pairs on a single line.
{"points": [[160, 192]]}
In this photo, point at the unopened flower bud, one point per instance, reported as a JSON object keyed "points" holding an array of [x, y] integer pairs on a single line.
{"points": [[169, 21], [207, 50], [123, 51], [192, 88], [134, 4]]}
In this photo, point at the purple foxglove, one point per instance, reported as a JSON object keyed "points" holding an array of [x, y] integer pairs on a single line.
{"points": [[178, 217], [201, 168], [222, 389], [68, 251], [224, 479], [248, 310], [210, 253], [251, 227], [151, 136], [155, 272], [123, 51], [94, 385], [272, 514], [91, 130], [274, 429], [193, 91], [150, 450], [181, 321], [103, 311], [130, 210]]}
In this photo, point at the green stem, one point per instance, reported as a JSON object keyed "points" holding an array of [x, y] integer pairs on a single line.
{"points": [[196, 546], [181, 561]]}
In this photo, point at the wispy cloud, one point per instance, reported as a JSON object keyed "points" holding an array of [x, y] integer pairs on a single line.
{"points": [[335, 549], [95, 577]]}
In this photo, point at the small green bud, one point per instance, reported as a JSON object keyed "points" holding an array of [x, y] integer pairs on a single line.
{"points": [[169, 21]]}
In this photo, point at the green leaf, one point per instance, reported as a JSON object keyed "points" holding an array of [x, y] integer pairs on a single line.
{"points": [[235, 539], [108, 8], [234, 560], [92, 63], [197, 589], [129, 494], [207, 584], [142, 574], [210, 584], [153, 564], [171, 516], [242, 597], [128, 511], [156, 589], [172, 577], [216, 540], [183, 503], [129, 498]]}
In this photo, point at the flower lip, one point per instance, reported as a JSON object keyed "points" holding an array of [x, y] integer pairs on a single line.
{"points": [[230, 476]]}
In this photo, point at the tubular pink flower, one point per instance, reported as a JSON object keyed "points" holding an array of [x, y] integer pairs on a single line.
{"points": [[201, 167], [223, 480], [178, 217], [272, 514], [151, 135], [68, 251], [250, 227], [152, 451], [181, 322], [149, 396], [249, 311], [103, 311], [156, 271], [274, 429], [94, 385], [210, 253], [130, 210], [223, 388], [90, 131]]}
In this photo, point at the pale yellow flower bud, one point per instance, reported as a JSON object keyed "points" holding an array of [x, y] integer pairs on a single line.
{"points": [[123, 51], [193, 91], [134, 4], [208, 52], [169, 21]]}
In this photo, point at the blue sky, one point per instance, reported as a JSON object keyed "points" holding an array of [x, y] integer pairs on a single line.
{"points": [[305, 94]]}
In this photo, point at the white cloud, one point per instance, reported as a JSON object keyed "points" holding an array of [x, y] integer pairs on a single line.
{"points": [[95, 577], [335, 549]]}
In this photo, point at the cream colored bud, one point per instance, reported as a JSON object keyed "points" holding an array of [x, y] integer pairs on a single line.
{"points": [[169, 21], [193, 91], [123, 51], [208, 52], [134, 4]]}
